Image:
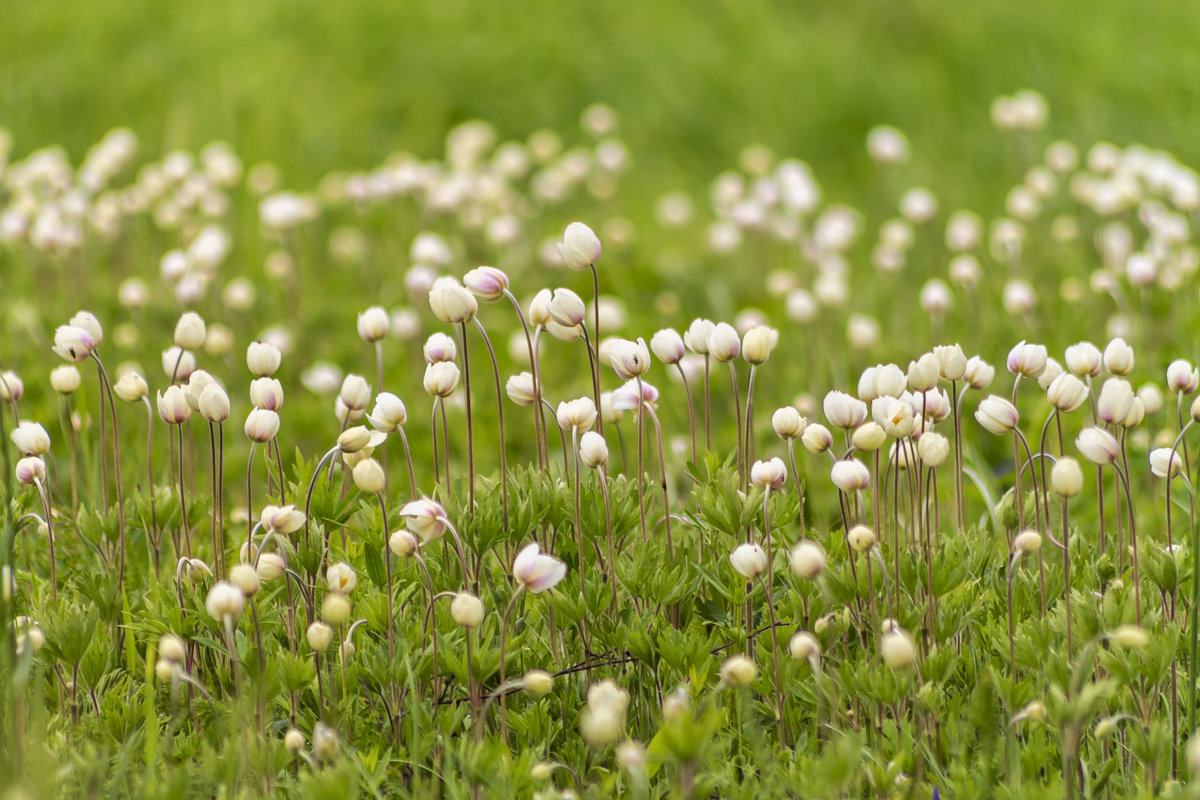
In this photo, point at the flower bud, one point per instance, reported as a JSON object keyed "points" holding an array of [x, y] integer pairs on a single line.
{"points": [[723, 343], [1067, 393], [293, 741], [868, 437], [173, 407], [73, 344], [1084, 360], [697, 335], [1027, 542], [787, 423], [952, 364], [748, 560], [817, 438], [11, 386], [1027, 360], [440, 347], [190, 331], [441, 379], [359, 437], [374, 324], [214, 403], [850, 475], [355, 393], [466, 610], [667, 346], [164, 670], [897, 649], [593, 450], [933, 449], [520, 389], [1164, 462], [924, 373], [807, 560], [335, 608], [768, 474], [861, 538], [261, 425], [30, 439], [997, 415], [403, 543], [538, 682], [1115, 402], [271, 566], [979, 373], [629, 359], [244, 577], [738, 671], [486, 283], [131, 387], [1097, 446], [196, 570], [263, 359], [758, 343], [65, 379], [1118, 357], [325, 743], [369, 477], [320, 636], [566, 308], [579, 414], [844, 411], [580, 247], [1182, 377], [451, 303], [1130, 637], [804, 646], [224, 600], [171, 648], [1066, 479]]}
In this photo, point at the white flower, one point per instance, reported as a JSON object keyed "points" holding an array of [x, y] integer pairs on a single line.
{"points": [[580, 247], [1097, 446], [997, 415], [537, 572], [748, 560], [1164, 460]]}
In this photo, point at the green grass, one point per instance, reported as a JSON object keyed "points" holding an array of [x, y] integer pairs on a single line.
{"points": [[318, 86]]}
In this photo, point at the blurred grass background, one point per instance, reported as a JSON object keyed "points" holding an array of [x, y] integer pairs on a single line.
{"points": [[315, 86]]}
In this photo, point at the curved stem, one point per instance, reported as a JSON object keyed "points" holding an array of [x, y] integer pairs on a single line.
{"points": [[612, 560], [106, 386], [312, 485], [183, 520], [538, 433], [500, 415], [737, 413], [504, 658], [412, 480], [466, 357], [596, 336], [662, 466], [640, 468], [50, 536], [748, 447], [687, 390]]}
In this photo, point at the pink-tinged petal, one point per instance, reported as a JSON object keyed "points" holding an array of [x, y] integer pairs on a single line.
{"points": [[550, 572], [525, 563]]}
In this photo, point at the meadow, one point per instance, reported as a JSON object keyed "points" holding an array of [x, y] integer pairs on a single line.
{"points": [[703, 400]]}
